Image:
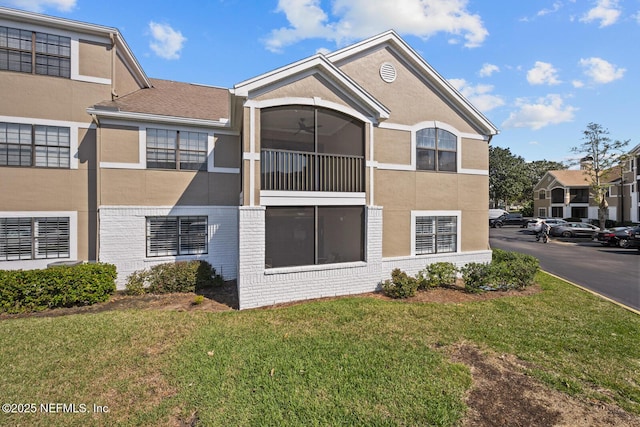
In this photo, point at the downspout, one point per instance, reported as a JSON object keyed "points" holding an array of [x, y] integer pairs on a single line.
{"points": [[98, 185], [114, 94]]}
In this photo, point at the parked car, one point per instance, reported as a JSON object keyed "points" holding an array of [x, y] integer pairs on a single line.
{"points": [[612, 236], [508, 219], [630, 238], [535, 225], [634, 238], [574, 229]]}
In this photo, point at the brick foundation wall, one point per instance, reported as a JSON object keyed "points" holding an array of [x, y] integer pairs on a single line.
{"points": [[123, 238]]}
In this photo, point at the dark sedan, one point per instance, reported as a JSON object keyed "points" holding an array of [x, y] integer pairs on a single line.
{"points": [[633, 239], [612, 236], [574, 229]]}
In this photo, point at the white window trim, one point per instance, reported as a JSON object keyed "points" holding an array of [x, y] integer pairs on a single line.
{"points": [[75, 47], [74, 128], [311, 198], [30, 264], [439, 125], [142, 148], [415, 214]]}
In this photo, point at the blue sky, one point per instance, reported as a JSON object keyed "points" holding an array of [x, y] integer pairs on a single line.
{"points": [[540, 70]]}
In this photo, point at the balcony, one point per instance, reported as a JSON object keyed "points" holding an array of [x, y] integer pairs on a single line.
{"points": [[285, 170]]}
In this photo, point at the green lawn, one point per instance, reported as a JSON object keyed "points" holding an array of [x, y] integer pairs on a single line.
{"points": [[350, 361]]}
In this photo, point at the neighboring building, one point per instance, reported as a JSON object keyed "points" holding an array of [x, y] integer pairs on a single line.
{"points": [[566, 193], [312, 180]]}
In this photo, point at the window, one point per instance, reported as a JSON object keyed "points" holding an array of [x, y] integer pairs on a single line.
{"points": [[172, 235], [172, 149], [542, 195], [313, 235], [35, 52], [557, 212], [581, 212], [557, 195], [27, 145], [579, 195], [542, 212], [34, 238], [436, 234], [436, 150]]}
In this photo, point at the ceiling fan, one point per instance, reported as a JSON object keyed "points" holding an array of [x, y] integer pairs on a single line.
{"points": [[302, 127]]}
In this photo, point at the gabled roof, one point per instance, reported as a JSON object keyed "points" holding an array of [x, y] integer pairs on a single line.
{"points": [[171, 101], [85, 28], [414, 60], [576, 178], [316, 64]]}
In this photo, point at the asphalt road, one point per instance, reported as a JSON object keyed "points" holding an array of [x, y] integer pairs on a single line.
{"points": [[612, 272]]}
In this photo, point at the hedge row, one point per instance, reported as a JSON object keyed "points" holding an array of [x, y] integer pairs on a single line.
{"points": [[35, 290], [181, 276], [507, 270]]}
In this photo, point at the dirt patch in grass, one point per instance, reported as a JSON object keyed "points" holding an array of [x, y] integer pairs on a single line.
{"points": [[504, 395]]}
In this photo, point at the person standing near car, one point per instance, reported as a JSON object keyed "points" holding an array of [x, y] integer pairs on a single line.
{"points": [[544, 229]]}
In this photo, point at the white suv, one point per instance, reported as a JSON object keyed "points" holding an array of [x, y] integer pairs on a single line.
{"points": [[536, 225]]}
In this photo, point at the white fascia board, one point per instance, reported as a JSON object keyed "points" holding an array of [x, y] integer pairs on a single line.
{"points": [[421, 66], [154, 118], [306, 67]]}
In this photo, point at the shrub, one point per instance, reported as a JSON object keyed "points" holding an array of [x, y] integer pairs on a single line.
{"points": [[198, 299], [401, 285], [181, 276], [137, 282], [476, 276], [512, 269], [437, 274], [63, 286]]}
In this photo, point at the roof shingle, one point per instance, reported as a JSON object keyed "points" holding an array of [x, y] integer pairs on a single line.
{"points": [[175, 99]]}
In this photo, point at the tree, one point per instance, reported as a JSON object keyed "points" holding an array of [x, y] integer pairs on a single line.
{"points": [[506, 180], [603, 155]]}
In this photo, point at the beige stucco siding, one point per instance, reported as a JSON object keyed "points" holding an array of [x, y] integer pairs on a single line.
{"points": [[409, 98], [392, 146], [125, 83], [474, 154], [400, 192], [168, 188], [26, 95], [120, 144], [95, 59], [308, 87], [227, 151]]}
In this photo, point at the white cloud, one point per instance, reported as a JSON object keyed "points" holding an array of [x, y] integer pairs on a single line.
{"points": [[556, 7], [41, 5], [478, 95], [606, 11], [355, 19], [167, 42], [543, 112], [577, 84], [601, 71], [543, 73], [488, 69]]}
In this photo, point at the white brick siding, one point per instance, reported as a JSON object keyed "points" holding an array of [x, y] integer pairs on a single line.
{"points": [[123, 238], [258, 286]]}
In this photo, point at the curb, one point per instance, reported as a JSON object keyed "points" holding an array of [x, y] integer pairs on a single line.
{"points": [[633, 310]]}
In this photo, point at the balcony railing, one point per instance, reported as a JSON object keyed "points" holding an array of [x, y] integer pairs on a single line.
{"points": [[285, 170]]}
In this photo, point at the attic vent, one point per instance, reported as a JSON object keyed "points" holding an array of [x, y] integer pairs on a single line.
{"points": [[388, 72]]}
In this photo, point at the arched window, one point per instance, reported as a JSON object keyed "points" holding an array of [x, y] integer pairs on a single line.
{"points": [[436, 150]]}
